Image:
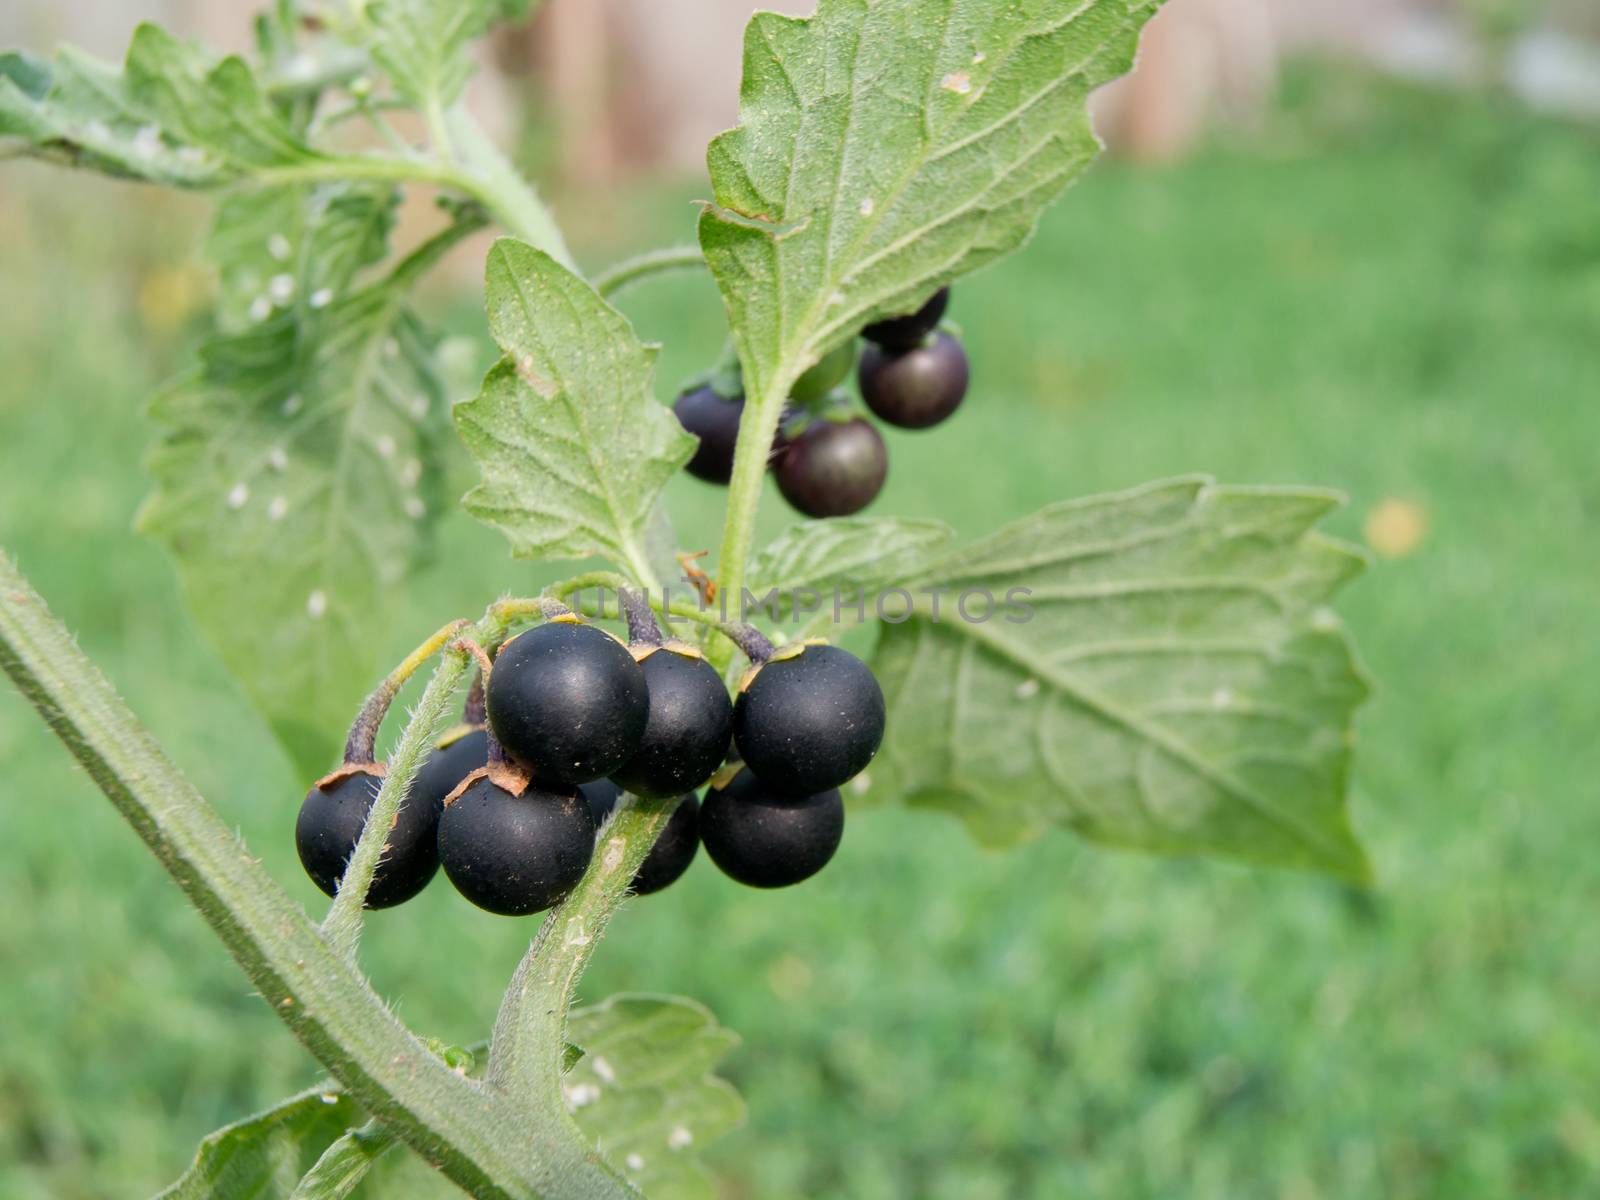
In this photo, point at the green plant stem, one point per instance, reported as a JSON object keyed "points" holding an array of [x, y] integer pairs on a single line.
{"points": [[487, 1148], [342, 926], [758, 428], [623, 275], [529, 1043]]}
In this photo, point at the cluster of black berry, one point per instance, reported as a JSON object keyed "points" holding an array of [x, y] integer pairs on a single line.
{"points": [[829, 460], [570, 719]]}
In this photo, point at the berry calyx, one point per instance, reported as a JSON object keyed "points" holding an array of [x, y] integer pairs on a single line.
{"points": [[568, 700], [833, 468], [902, 333], [689, 728], [714, 419], [765, 840], [809, 719], [448, 765], [916, 388], [674, 850], [511, 854], [827, 373], [330, 823]]}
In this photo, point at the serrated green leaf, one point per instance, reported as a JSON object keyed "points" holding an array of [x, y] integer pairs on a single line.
{"points": [[169, 114], [1180, 686], [886, 148], [644, 1089], [292, 486], [573, 445], [846, 553], [263, 1155], [276, 247]]}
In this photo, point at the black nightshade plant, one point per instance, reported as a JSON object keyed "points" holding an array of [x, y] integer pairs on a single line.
{"points": [[511, 854], [767, 840], [329, 825], [809, 720]]}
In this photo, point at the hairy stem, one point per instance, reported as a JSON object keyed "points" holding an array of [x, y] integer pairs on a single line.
{"points": [[624, 275], [526, 1052], [758, 428], [488, 1148]]}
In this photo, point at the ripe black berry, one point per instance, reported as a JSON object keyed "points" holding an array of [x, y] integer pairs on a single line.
{"points": [[714, 419], [902, 333], [809, 722], [827, 373], [690, 725], [674, 850], [568, 700], [915, 388], [770, 841], [449, 765], [330, 823], [833, 468], [515, 855]]}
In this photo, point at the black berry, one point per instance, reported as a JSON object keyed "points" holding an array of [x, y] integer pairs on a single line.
{"points": [[674, 850], [714, 419], [902, 333], [447, 766], [515, 855], [568, 700], [827, 373], [766, 840], [690, 725], [810, 722], [330, 823], [915, 388], [833, 468]]}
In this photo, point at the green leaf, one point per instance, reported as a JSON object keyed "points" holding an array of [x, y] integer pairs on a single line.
{"points": [[263, 1155], [275, 247], [345, 1164], [293, 487], [422, 44], [573, 445], [1179, 687], [644, 1089], [848, 553], [169, 115], [885, 149]]}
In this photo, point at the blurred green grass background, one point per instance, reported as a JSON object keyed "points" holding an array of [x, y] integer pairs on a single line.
{"points": [[1392, 292]]}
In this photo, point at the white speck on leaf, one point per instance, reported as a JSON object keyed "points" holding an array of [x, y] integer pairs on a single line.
{"points": [[415, 508], [277, 459], [317, 605], [1325, 620], [580, 1095], [321, 298], [278, 246], [329, 1098], [238, 495], [958, 82], [634, 1162], [292, 405], [385, 445], [861, 783], [1221, 698], [419, 406], [1027, 689], [281, 288], [577, 936], [391, 348], [277, 509], [679, 1138], [867, 206], [147, 142], [978, 57], [604, 1069], [260, 308], [410, 472]]}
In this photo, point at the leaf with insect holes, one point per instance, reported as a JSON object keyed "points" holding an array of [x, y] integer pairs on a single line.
{"points": [[573, 445], [885, 149], [1155, 669], [170, 114], [294, 484], [250, 1157], [848, 556], [644, 1090]]}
